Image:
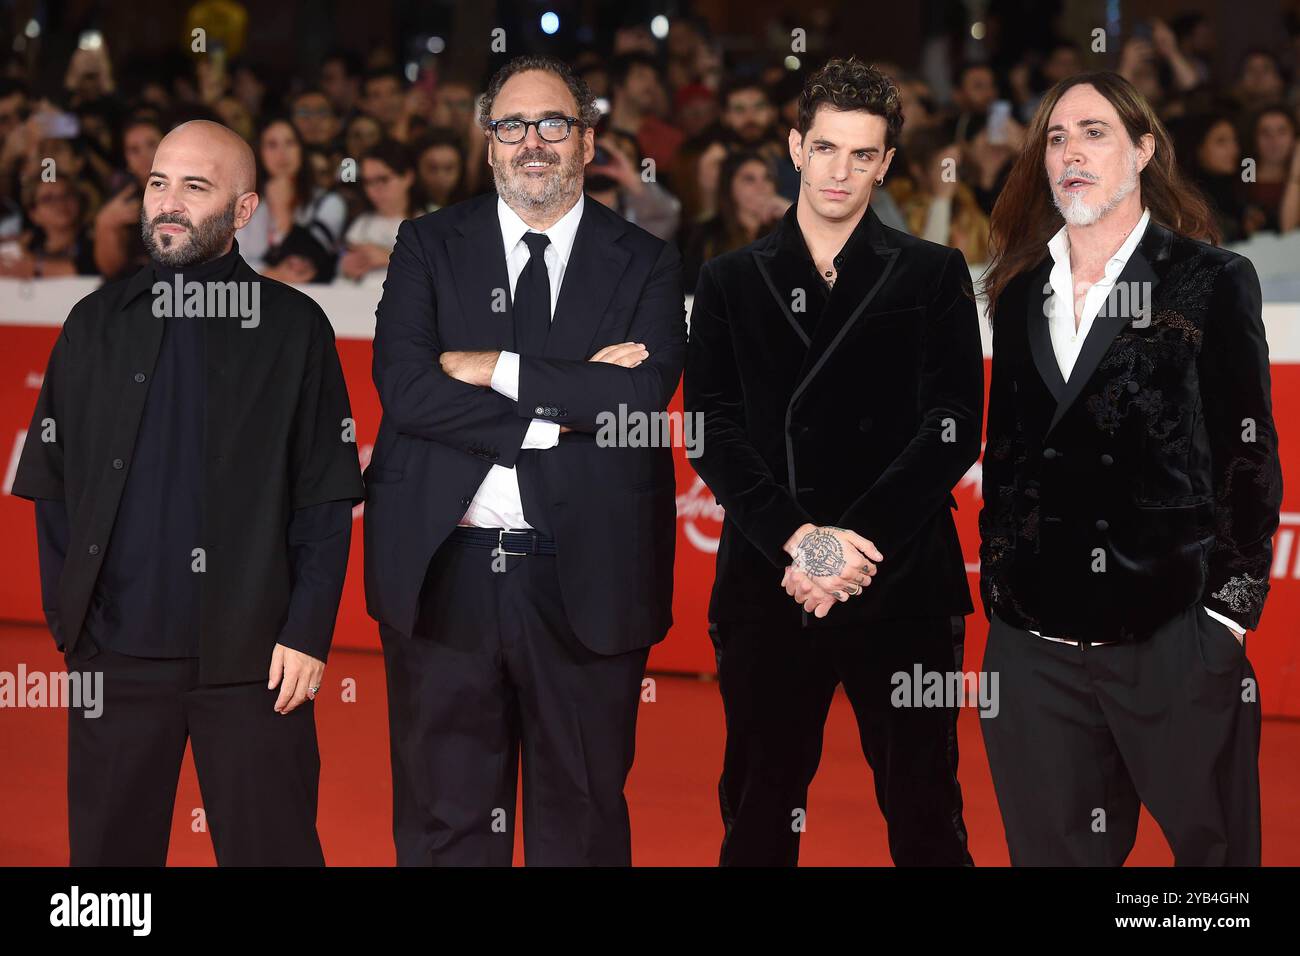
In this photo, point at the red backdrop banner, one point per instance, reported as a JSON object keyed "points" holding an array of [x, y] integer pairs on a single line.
{"points": [[1273, 648]]}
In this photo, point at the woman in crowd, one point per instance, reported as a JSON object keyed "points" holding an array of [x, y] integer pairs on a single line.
{"points": [[440, 167], [388, 179], [295, 232], [748, 207], [56, 242], [1273, 133], [1206, 145]]}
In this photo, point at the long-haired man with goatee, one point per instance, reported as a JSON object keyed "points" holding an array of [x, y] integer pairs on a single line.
{"points": [[1131, 490]]}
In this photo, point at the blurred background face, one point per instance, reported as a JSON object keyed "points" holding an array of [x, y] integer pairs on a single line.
{"points": [[336, 83], [977, 91], [235, 114], [383, 99], [439, 169], [1260, 78], [386, 190], [697, 115], [139, 145], [1218, 153], [1274, 139], [1091, 168], [314, 117], [322, 171], [453, 105], [536, 175], [281, 154], [748, 114], [842, 156], [641, 88], [916, 99], [752, 188], [1063, 62], [12, 109], [363, 132], [55, 205]]}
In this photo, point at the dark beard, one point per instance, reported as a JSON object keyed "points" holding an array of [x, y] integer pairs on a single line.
{"points": [[207, 240]]}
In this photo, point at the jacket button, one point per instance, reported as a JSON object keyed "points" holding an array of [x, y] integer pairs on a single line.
{"points": [[1133, 388], [139, 376], [117, 463], [539, 410], [93, 549], [1102, 524], [1107, 460], [1049, 453]]}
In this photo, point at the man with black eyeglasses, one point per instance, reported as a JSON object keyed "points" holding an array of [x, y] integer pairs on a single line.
{"points": [[520, 570]]}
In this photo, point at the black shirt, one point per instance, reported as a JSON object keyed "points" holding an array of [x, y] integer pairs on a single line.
{"points": [[220, 433]]}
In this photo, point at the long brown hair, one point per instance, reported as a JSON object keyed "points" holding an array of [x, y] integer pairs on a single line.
{"points": [[1025, 217]]}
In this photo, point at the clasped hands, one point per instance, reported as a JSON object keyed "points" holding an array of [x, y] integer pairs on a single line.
{"points": [[829, 565]]}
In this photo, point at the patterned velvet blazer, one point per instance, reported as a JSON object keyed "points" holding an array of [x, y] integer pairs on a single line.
{"points": [[1147, 482]]}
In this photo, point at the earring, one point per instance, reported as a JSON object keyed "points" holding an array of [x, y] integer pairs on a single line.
{"points": [[880, 181]]}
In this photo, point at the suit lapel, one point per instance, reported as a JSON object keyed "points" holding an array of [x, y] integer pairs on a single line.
{"points": [[478, 262], [781, 273], [853, 294], [592, 274], [1116, 312], [1040, 337]]}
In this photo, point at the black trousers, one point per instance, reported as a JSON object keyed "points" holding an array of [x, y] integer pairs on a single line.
{"points": [[777, 684], [258, 770], [1085, 734], [494, 671]]}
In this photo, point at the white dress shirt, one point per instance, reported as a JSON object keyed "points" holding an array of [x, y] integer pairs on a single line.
{"points": [[496, 504], [1067, 341]]}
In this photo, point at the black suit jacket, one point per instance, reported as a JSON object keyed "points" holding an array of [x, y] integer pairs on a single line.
{"points": [[610, 509], [1150, 480], [865, 423]]}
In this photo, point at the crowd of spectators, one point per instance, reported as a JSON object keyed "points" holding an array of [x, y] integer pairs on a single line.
{"points": [[692, 145]]}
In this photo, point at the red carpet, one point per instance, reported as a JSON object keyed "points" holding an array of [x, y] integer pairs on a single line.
{"points": [[672, 791]]}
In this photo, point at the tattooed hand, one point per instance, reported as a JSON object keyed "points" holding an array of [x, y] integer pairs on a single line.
{"points": [[834, 561]]}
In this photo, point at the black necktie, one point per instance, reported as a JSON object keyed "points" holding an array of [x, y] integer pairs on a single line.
{"points": [[532, 304], [532, 315]]}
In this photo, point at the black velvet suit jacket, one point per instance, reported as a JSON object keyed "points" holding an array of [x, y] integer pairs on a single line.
{"points": [[867, 423], [610, 509], [1150, 480]]}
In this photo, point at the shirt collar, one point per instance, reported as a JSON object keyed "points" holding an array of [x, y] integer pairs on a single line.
{"points": [[792, 239], [1059, 247], [561, 234]]}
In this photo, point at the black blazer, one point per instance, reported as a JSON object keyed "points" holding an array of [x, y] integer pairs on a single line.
{"points": [[866, 423], [611, 509], [1147, 483]]}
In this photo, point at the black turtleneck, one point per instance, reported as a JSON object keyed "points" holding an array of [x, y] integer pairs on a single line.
{"points": [[146, 598]]}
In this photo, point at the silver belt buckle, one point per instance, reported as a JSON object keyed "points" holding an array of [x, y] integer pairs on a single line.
{"points": [[501, 548]]}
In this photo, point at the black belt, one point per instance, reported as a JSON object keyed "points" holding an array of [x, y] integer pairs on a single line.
{"points": [[509, 542]]}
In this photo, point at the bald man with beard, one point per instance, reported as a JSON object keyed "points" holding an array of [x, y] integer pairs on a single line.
{"points": [[194, 468]]}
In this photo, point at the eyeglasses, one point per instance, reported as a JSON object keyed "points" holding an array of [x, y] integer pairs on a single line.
{"points": [[552, 129]]}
